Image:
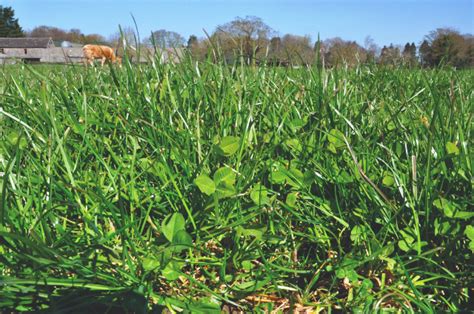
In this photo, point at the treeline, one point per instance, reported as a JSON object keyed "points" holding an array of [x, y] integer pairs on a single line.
{"points": [[250, 40], [74, 35]]}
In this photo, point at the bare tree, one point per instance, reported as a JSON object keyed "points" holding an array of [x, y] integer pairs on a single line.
{"points": [[340, 52], [371, 47], [249, 35], [297, 49], [124, 37], [165, 39]]}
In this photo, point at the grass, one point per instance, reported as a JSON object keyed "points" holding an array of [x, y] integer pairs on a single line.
{"points": [[201, 186]]}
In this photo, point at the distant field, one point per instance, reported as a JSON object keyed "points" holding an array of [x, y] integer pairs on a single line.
{"points": [[198, 187]]}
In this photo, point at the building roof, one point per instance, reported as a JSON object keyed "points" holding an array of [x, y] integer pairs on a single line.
{"points": [[26, 42]]}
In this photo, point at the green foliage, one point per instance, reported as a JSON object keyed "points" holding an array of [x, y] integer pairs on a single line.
{"points": [[228, 146], [194, 186], [205, 184], [259, 194], [172, 225], [9, 26], [451, 148]]}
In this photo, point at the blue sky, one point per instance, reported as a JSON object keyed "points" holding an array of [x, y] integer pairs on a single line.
{"points": [[386, 21]]}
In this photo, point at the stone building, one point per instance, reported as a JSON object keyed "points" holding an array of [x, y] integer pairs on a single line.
{"points": [[45, 50], [37, 50]]}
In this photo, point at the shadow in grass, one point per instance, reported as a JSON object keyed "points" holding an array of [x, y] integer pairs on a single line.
{"points": [[93, 302]]}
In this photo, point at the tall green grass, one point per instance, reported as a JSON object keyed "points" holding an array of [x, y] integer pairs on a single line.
{"points": [[196, 186]]}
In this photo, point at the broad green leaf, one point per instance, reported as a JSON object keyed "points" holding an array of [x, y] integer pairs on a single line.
{"points": [[259, 194], [446, 227], [408, 242], [469, 232], [181, 241], [332, 148], [224, 190], [388, 180], [450, 210], [308, 178], [150, 263], [452, 149], [291, 199], [252, 285], [277, 177], [391, 126], [150, 166], [295, 177], [387, 250], [228, 146], [294, 144], [267, 137], [405, 244], [359, 233], [253, 232], [247, 265], [224, 174], [346, 272], [172, 224], [344, 177], [367, 284], [296, 124], [205, 184], [13, 137], [182, 238], [471, 245], [336, 138], [172, 271]]}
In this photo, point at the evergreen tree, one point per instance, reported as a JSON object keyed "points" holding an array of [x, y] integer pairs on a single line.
{"points": [[192, 41], [9, 26], [390, 55], [409, 54], [425, 53]]}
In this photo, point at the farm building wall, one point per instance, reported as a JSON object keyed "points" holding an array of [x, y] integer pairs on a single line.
{"points": [[75, 55], [46, 55]]}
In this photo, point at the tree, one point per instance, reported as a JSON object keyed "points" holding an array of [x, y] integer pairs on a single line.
{"points": [[73, 35], [124, 37], [9, 26], [50, 31], [409, 54], [339, 52], [192, 41], [275, 50], [124, 41], [165, 39], [93, 39], [390, 55], [371, 48], [297, 49], [449, 47], [198, 48], [425, 54], [247, 35]]}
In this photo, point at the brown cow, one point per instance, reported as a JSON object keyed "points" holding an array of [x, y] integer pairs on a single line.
{"points": [[102, 52]]}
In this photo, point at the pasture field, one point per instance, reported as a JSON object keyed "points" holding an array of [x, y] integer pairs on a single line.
{"points": [[198, 187]]}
